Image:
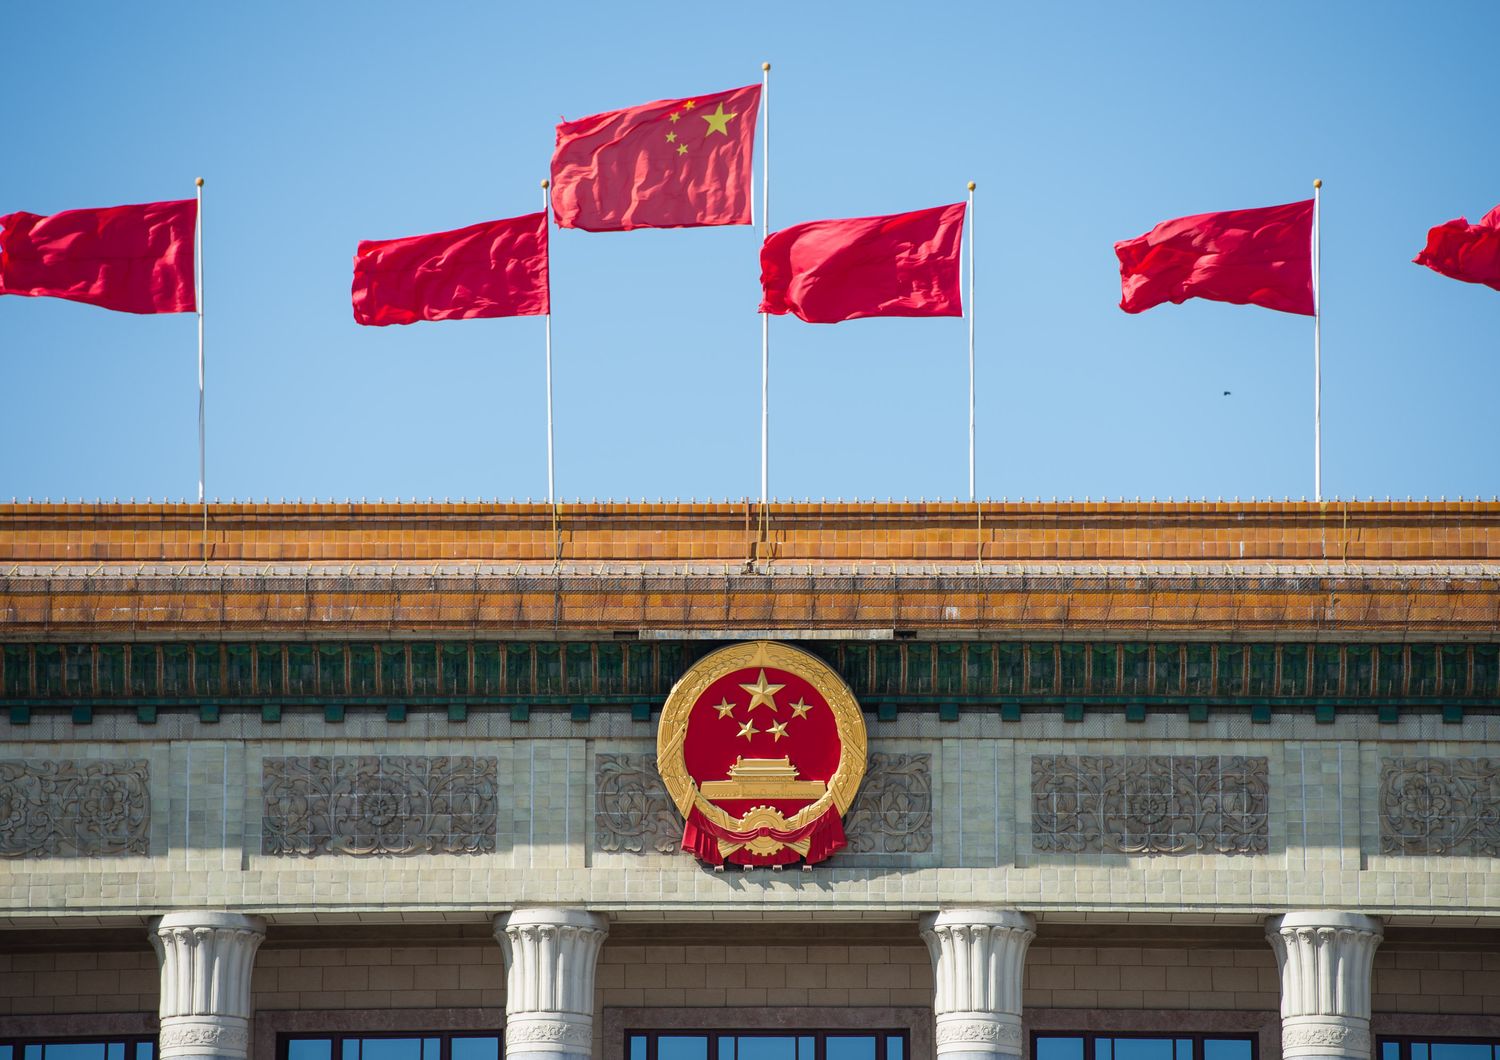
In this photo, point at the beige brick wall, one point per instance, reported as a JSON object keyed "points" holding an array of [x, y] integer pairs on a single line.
{"points": [[380, 977], [1129, 977], [107, 981], [1439, 983], [635, 976]]}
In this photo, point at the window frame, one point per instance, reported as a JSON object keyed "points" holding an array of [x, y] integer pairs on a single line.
{"points": [[336, 1039], [820, 1036], [19, 1042], [1404, 1042], [1197, 1037]]}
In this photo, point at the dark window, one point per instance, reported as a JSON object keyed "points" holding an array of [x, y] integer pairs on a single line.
{"points": [[1102, 665], [887, 668], [1168, 669], [1200, 669], [331, 669], [424, 670], [1232, 669], [206, 669], [1041, 668], [1294, 662], [455, 660], [1073, 667], [767, 1045], [980, 669], [176, 670], [1091, 1046], [415, 1045]]}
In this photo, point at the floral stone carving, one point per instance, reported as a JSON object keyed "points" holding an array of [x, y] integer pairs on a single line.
{"points": [[1149, 804], [369, 805], [68, 808], [892, 814], [1443, 806], [632, 812]]}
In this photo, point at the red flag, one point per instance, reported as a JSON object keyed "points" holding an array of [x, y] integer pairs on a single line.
{"points": [[1249, 257], [492, 269], [903, 265], [134, 259], [1465, 252], [677, 163]]}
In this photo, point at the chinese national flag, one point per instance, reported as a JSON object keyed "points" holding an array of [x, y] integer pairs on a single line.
{"points": [[674, 164], [492, 269], [902, 265], [133, 259], [1465, 252], [1249, 257]]}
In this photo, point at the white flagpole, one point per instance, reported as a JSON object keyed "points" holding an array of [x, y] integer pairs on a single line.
{"points": [[765, 319], [1317, 344], [971, 341], [202, 446], [551, 480]]}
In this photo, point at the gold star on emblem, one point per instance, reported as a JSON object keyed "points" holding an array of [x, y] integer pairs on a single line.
{"points": [[671, 138], [673, 117], [778, 730], [748, 730], [800, 709], [763, 694], [689, 104], [682, 149], [718, 121], [725, 708]]}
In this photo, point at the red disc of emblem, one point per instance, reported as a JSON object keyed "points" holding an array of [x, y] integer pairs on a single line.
{"points": [[762, 747]]}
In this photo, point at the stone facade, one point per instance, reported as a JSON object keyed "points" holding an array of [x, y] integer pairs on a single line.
{"points": [[1133, 769]]}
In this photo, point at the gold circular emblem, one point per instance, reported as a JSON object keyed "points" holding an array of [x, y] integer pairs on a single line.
{"points": [[720, 768]]}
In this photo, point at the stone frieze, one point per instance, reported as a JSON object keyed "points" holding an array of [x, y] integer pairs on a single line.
{"points": [[1149, 804], [1440, 806], [74, 807], [369, 805]]}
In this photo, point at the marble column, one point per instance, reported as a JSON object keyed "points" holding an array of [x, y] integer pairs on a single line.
{"points": [[1325, 958], [978, 958], [550, 957], [205, 960]]}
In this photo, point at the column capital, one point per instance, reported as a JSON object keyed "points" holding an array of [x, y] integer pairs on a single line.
{"points": [[1325, 958], [978, 960], [550, 956], [205, 958]]}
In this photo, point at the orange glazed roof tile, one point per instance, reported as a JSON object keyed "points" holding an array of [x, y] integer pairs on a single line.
{"points": [[956, 569]]}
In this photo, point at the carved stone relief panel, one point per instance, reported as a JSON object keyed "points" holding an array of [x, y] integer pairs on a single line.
{"points": [[72, 808], [632, 812], [369, 805], [892, 814], [1149, 804], [1443, 806]]}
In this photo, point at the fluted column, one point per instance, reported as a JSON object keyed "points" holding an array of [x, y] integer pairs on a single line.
{"points": [[205, 960], [978, 958], [1325, 958], [550, 956]]}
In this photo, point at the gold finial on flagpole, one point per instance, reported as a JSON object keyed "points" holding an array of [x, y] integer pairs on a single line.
{"points": [[765, 66], [1317, 183], [199, 182], [972, 185], [546, 184]]}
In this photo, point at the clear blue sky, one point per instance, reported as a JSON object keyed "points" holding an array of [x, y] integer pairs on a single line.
{"points": [[317, 125]]}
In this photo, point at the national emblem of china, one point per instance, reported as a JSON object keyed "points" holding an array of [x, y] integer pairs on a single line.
{"points": [[762, 748]]}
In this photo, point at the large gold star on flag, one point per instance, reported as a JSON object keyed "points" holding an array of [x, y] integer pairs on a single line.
{"points": [[718, 121]]}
